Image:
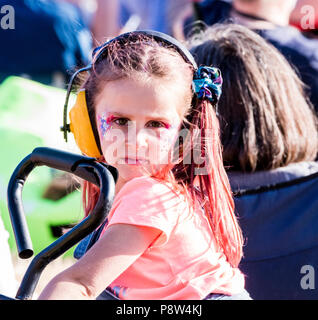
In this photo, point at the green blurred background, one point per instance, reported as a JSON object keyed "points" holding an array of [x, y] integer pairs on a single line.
{"points": [[31, 115]]}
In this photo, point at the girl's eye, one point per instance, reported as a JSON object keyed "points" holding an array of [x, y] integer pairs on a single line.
{"points": [[121, 121], [156, 124]]}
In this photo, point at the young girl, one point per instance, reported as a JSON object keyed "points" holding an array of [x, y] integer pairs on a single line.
{"points": [[171, 232]]}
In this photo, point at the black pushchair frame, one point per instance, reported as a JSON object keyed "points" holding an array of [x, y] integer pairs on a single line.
{"points": [[83, 167]]}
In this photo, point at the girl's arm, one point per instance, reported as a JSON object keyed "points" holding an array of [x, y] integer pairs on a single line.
{"points": [[116, 250]]}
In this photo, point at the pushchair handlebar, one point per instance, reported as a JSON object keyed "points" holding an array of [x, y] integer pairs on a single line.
{"points": [[86, 168]]}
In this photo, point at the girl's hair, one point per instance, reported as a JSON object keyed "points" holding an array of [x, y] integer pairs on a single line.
{"points": [[266, 120], [145, 57]]}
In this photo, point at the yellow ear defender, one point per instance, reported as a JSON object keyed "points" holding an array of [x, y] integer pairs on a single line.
{"points": [[81, 124], [81, 127]]}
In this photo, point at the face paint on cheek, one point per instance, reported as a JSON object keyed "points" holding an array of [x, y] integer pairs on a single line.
{"points": [[104, 123]]}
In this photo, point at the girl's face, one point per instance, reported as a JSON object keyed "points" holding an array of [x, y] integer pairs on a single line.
{"points": [[138, 123]]}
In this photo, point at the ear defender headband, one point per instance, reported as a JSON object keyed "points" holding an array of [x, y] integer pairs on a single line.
{"points": [[206, 85]]}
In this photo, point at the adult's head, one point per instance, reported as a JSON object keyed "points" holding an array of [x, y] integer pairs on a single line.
{"points": [[266, 120], [275, 11]]}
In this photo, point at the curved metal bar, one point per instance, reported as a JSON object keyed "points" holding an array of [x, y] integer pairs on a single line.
{"points": [[84, 167]]}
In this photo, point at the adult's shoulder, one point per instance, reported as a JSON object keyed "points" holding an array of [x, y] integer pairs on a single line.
{"points": [[259, 179], [290, 38]]}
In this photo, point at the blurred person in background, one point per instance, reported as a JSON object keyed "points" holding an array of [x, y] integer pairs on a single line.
{"points": [[159, 15], [267, 122], [47, 41], [101, 16], [51, 38], [270, 143], [142, 14], [270, 19]]}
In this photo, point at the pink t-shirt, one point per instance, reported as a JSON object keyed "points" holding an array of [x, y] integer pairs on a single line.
{"points": [[182, 263]]}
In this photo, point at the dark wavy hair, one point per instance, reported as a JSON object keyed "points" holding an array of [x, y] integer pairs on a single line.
{"points": [[265, 117]]}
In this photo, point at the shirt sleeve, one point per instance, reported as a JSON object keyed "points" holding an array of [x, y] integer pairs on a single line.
{"points": [[147, 202]]}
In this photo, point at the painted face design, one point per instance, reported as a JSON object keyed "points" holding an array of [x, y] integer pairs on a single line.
{"points": [[104, 123], [137, 127]]}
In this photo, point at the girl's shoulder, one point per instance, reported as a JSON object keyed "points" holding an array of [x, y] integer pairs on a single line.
{"points": [[148, 200]]}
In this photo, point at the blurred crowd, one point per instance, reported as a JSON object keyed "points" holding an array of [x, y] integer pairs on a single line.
{"points": [[52, 38], [267, 51]]}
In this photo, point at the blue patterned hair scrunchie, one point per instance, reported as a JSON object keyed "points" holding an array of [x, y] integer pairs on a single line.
{"points": [[207, 83]]}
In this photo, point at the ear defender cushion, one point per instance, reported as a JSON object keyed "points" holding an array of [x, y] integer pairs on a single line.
{"points": [[81, 127]]}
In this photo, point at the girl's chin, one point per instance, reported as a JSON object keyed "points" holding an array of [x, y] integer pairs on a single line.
{"points": [[130, 172]]}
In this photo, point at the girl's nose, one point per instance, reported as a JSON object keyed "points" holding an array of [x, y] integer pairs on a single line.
{"points": [[138, 139]]}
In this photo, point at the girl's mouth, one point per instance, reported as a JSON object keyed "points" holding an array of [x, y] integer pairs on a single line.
{"points": [[135, 161]]}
